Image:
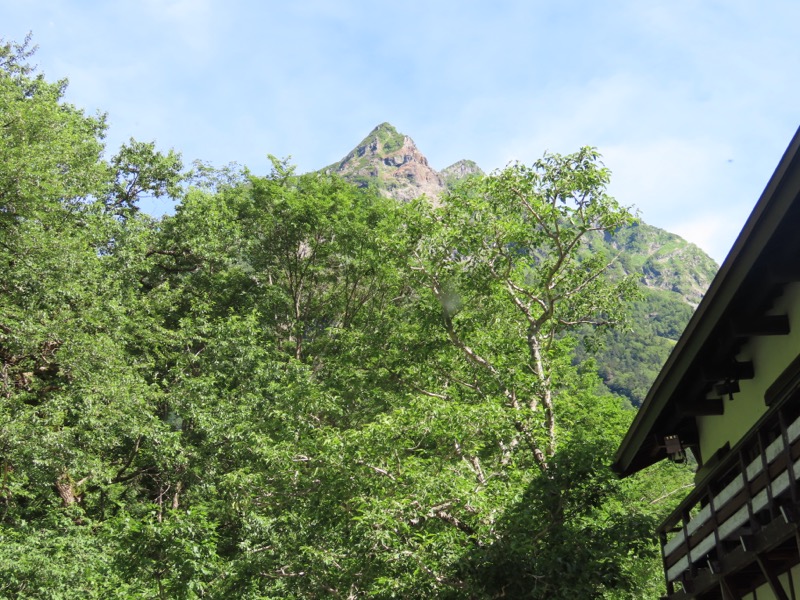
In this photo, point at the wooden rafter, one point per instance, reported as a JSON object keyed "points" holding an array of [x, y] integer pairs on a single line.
{"points": [[702, 407], [731, 370], [764, 325], [771, 576]]}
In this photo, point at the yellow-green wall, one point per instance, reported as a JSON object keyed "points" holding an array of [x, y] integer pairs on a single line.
{"points": [[765, 591], [770, 356]]}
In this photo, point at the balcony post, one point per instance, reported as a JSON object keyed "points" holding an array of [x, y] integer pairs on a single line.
{"points": [[662, 538], [762, 452]]}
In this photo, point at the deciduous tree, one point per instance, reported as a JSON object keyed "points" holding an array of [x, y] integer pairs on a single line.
{"points": [[508, 267]]}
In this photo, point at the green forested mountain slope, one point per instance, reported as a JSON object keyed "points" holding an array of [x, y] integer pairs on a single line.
{"points": [[672, 276], [459, 171], [666, 262], [295, 387]]}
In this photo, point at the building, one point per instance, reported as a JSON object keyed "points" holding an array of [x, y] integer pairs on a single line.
{"points": [[730, 394]]}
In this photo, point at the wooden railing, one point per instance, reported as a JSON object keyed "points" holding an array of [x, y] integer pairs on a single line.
{"points": [[753, 485]]}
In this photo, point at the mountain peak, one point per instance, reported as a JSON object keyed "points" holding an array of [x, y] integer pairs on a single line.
{"points": [[384, 139], [391, 162], [462, 169]]}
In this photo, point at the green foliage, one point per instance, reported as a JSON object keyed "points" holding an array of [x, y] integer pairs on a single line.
{"points": [[600, 543], [140, 170], [79, 422], [508, 253], [295, 388], [49, 150]]}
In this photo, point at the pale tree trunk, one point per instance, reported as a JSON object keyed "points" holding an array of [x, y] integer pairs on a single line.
{"points": [[67, 489], [510, 394], [546, 396]]}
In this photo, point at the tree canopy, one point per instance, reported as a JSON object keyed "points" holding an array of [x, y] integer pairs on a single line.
{"points": [[296, 388]]}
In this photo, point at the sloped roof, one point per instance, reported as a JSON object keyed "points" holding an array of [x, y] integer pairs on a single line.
{"points": [[765, 257]]}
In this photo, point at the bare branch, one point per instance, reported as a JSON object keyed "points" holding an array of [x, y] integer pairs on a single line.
{"points": [[378, 470], [474, 463], [427, 393], [455, 522], [675, 491]]}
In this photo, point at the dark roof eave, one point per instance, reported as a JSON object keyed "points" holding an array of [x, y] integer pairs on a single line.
{"points": [[760, 227]]}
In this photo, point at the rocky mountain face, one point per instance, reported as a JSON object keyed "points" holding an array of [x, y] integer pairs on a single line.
{"points": [[663, 261], [392, 163], [674, 274]]}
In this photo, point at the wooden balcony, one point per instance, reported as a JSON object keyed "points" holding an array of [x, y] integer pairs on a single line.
{"points": [[738, 530]]}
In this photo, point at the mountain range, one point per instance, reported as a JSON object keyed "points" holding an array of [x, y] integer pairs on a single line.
{"points": [[673, 273]]}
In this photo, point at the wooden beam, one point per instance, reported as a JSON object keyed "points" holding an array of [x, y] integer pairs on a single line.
{"points": [[765, 325], [772, 578], [734, 563], [733, 370], [687, 582], [703, 407], [797, 540], [783, 274], [728, 591], [727, 388]]}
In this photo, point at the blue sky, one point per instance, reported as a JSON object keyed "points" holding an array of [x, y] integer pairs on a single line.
{"points": [[691, 102]]}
